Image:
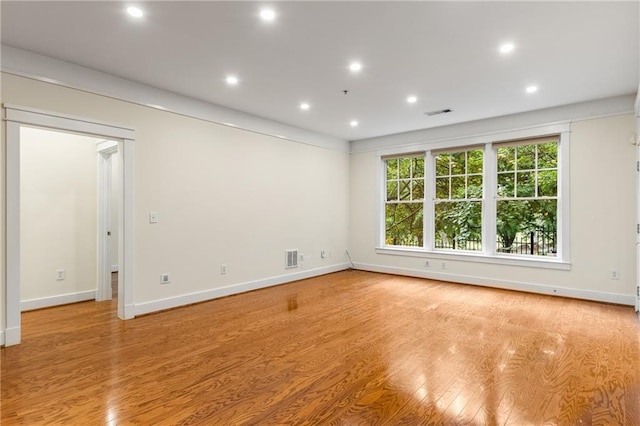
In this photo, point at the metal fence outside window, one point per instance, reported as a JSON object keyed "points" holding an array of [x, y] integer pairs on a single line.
{"points": [[541, 241]]}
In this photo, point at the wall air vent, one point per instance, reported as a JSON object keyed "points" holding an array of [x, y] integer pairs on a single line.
{"points": [[438, 112], [291, 258]]}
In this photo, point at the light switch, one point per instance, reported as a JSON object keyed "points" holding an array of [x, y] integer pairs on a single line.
{"points": [[153, 217]]}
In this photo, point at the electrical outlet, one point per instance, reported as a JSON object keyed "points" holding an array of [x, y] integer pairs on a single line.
{"points": [[154, 217], [60, 274], [164, 279], [323, 254], [444, 266], [615, 274], [223, 269], [426, 264]]}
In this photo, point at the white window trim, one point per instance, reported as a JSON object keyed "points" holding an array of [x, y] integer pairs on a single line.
{"points": [[488, 255]]}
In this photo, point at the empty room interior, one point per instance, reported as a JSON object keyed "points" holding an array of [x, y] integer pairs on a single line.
{"points": [[319, 212]]}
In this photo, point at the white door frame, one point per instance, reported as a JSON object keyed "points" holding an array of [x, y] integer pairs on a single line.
{"points": [[106, 150], [637, 290], [17, 116]]}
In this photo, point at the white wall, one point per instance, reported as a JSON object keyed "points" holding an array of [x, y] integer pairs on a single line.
{"points": [[224, 195], [602, 221], [58, 194]]}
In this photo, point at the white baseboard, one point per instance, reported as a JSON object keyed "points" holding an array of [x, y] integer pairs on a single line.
{"points": [[202, 296], [1, 338], [114, 268], [599, 296], [62, 299]]}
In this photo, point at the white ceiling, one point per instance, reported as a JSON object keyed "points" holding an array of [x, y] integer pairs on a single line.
{"points": [[445, 53]]}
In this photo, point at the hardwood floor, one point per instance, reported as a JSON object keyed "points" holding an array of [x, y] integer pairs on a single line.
{"points": [[347, 348], [114, 285]]}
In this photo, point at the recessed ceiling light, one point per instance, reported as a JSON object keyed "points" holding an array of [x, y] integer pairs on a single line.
{"points": [[353, 123], [531, 89], [355, 66], [267, 14], [232, 80], [304, 106], [507, 48], [412, 99], [135, 12]]}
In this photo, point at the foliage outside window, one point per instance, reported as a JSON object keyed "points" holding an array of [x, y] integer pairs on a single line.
{"points": [[458, 200], [404, 201], [527, 198]]}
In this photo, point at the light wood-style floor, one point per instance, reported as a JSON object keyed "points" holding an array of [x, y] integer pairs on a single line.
{"points": [[347, 348]]}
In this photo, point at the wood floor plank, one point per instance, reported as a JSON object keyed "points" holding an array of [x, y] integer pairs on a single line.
{"points": [[346, 348]]}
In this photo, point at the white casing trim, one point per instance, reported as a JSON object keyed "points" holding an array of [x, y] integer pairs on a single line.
{"points": [[599, 296], [1, 338], [11, 336], [16, 116], [61, 299], [203, 296], [44, 68], [637, 103]]}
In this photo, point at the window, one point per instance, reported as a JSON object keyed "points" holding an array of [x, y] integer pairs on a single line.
{"points": [[527, 198], [458, 200], [498, 202], [404, 204]]}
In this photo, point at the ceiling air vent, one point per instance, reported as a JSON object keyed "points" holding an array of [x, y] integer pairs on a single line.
{"points": [[291, 258], [438, 112]]}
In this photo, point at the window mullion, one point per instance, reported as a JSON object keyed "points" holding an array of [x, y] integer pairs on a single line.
{"points": [[429, 199], [490, 173]]}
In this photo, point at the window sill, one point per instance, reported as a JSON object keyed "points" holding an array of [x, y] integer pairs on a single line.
{"points": [[537, 262]]}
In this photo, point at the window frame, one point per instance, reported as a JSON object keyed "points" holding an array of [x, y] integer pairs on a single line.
{"points": [[411, 179], [490, 142]]}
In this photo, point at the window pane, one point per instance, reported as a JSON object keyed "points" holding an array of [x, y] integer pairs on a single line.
{"points": [[548, 183], [404, 224], [404, 186], [405, 168], [442, 165], [526, 184], [474, 186], [392, 191], [458, 163], [417, 190], [442, 188], [418, 167], [458, 187], [474, 161], [458, 225], [527, 227], [392, 169], [526, 157], [548, 155], [506, 159], [506, 184]]}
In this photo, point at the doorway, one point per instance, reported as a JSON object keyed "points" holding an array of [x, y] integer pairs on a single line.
{"points": [[19, 117], [60, 260]]}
